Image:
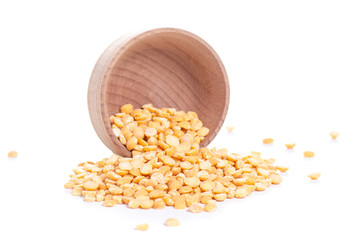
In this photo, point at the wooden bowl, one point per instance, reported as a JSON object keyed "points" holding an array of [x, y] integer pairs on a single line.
{"points": [[166, 67]]}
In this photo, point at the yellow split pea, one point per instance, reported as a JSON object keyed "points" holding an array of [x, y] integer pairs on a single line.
{"points": [[290, 145], [314, 176], [268, 141], [142, 227], [281, 168], [13, 154], [229, 128], [308, 154], [172, 222], [334, 134]]}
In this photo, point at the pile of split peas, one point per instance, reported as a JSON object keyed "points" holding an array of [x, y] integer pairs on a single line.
{"points": [[169, 168]]}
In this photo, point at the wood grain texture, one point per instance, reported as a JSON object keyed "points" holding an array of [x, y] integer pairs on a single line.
{"points": [[166, 67]]}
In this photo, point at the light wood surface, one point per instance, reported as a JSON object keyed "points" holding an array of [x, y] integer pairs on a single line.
{"points": [[166, 67]]}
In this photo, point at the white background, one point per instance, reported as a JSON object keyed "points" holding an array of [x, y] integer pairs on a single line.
{"points": [[295, 73]]}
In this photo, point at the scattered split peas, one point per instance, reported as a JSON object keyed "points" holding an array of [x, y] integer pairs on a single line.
{"points": [[142, 227], [314, 176], [229, 128], [282, 169], [268, 141], [13, 154], [290, 145], [308, 154], [334, 134], [168, 167], [172, 222]]}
